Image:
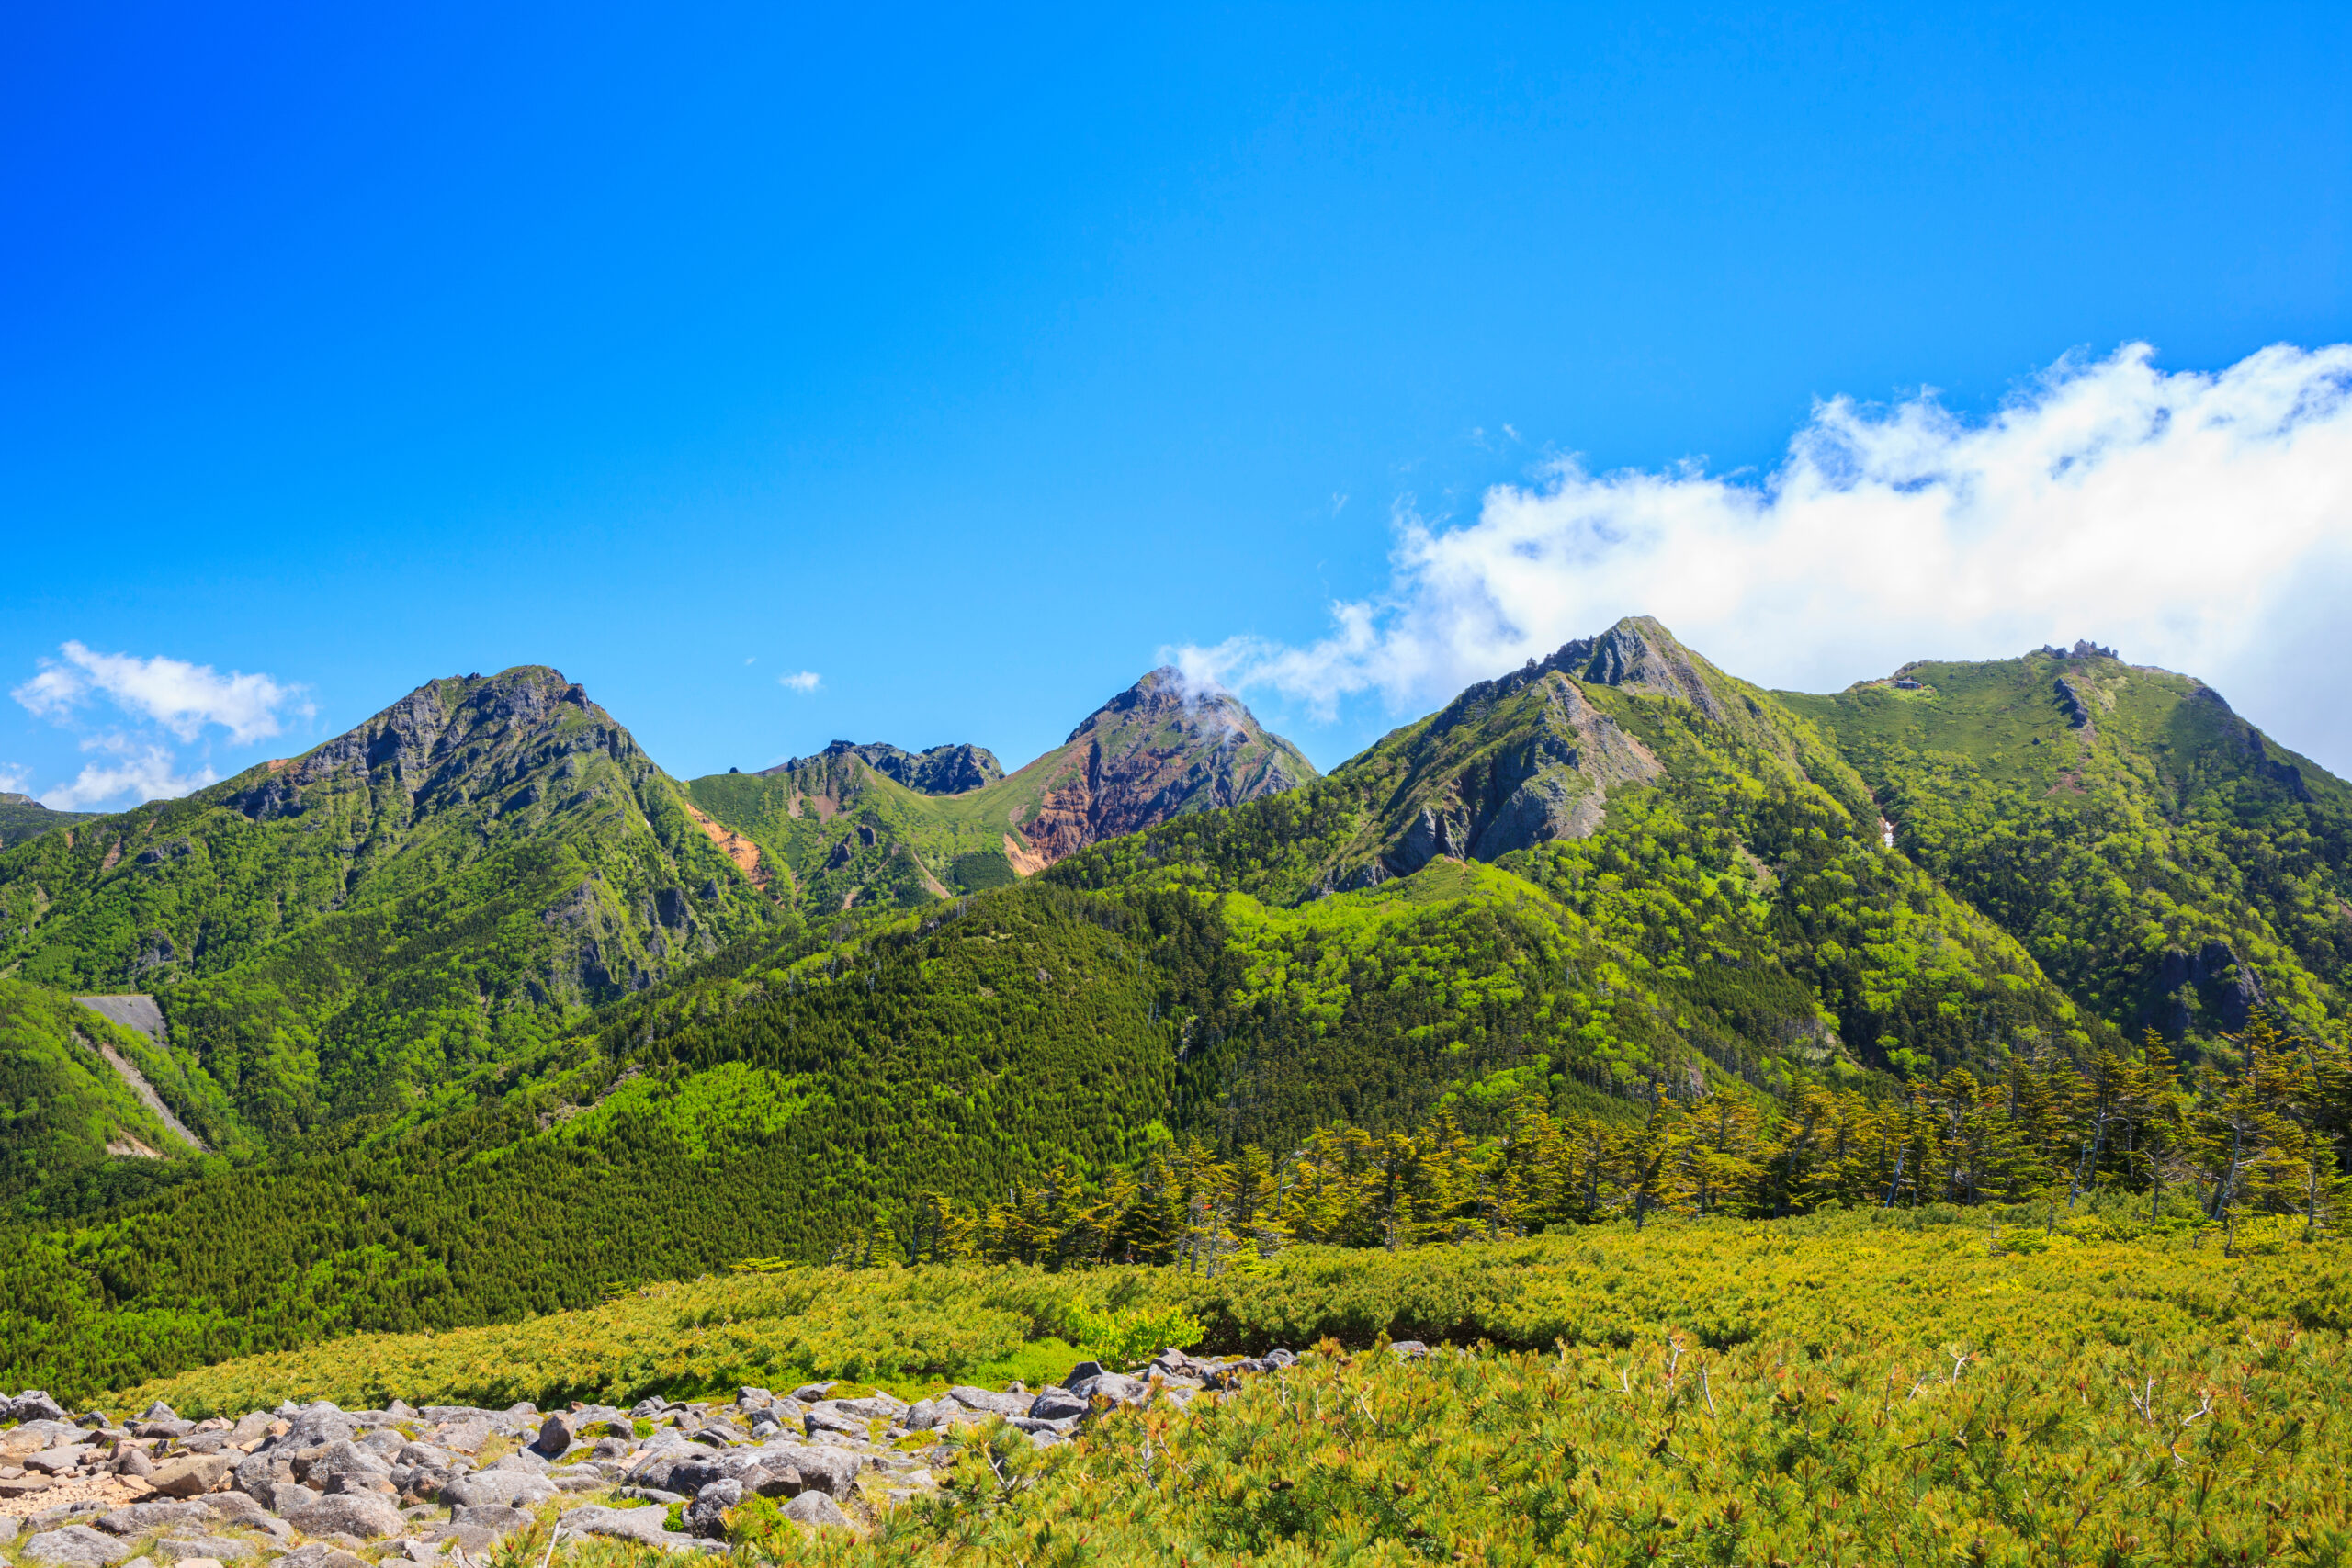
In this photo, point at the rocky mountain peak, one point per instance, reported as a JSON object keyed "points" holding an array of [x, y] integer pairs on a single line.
{"points": [[450, 741], [1159, 749], [941, 770], [1165, 696]]}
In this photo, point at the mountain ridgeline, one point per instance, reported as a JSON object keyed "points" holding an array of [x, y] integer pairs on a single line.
{"points": [[874, 826], [480, 1013]]}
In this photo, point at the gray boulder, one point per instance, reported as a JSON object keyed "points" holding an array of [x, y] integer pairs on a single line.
{"points": [[706, 1515], [138, 1518], [57, 1461], [832, 1418], [643, 1526], [831, 1470], [318, 1424], [943, 1412], [134, 1461], [1056, 1404], [192, 1476], [780, 1479], [464, 1436], [343, 1456], [319, 1554], [990, 1402], [360, 1514], [555, 1436], [34, 1405], [218, 1548], [508, 1488], [1117, 1387], [74, 1543], [11, 1527], [498, 1522], [815, 1510], [290, 1497]]}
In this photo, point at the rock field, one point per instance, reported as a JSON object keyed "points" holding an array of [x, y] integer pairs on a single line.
{"points": [[313, 1486]]}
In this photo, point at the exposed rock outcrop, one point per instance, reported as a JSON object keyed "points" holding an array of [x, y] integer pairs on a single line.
{"points": [[943, 770], [1159, 750]]}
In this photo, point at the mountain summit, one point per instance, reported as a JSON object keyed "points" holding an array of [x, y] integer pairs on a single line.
{"points": [[1157, 749], [860, 824], [339, 932]]}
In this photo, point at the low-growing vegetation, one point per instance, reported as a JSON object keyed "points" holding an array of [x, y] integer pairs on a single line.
{"points": [[1852, 1387]]}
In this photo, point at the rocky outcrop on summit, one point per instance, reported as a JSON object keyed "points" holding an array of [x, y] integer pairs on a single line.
{"points": [[450, 744], [943, 770], [1157, 750], [1534, 755]]}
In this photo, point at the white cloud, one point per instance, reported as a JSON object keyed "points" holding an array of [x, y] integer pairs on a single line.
{"points": [[2183, 518], [142, 774], [14, 780], [804, 682], [180, 696]]}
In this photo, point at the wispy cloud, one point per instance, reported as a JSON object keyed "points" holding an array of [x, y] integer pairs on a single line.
{"points": [[139, 772], [180, 696], [2182, 517], [164, 701], [803, 680]]}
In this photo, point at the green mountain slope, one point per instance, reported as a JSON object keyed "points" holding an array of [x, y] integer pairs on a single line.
{"points": [[2161, 858], [862, 826], [67, 1099], [338, 933], [22, 817], [1697, 821], [1614, 879]]}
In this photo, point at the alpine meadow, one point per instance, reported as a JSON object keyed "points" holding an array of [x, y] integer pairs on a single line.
{"points": [[1626, 1115]]}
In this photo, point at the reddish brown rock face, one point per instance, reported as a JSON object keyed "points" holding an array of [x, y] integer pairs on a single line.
{"points": [[1154, 751]]}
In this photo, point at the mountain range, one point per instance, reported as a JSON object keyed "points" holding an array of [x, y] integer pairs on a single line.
{"points": [[476, 1009]]}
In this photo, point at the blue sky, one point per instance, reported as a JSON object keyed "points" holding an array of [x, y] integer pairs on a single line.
{"points": [[971, 361]]}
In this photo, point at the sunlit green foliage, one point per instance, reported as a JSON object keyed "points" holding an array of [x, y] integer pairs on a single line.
{"points": [[63, 1107], [2158, 857]]}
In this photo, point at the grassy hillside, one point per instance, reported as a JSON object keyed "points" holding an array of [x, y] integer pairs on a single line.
{"points": [[2161, 858], [1707, 831], [339, 933], [852, 827]]}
